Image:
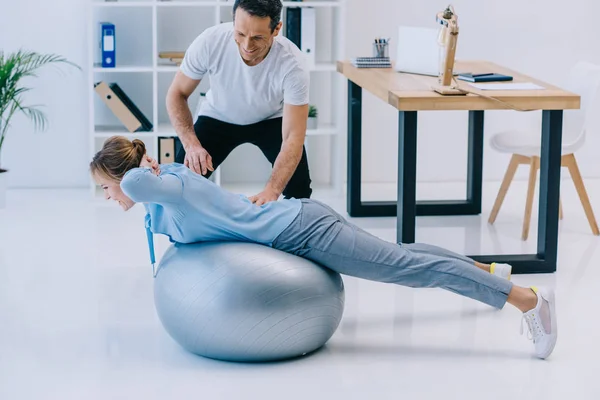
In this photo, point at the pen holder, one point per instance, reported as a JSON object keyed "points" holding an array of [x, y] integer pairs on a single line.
{"points": [[381, 50]]}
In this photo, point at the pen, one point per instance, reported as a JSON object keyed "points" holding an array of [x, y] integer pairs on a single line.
{"points": [[381, 40]]}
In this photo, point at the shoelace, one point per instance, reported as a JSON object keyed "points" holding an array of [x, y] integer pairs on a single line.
{"points": [[535, 330]]}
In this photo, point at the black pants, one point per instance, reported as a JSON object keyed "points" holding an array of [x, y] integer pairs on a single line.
{"points": [[220, 138]]}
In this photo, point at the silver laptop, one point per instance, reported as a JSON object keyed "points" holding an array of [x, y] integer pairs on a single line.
{"points": [[417, 51]]}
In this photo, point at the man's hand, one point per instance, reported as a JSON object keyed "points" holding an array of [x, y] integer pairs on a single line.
{"points": [[293, 134], [198, 160], [265, 196], [149, 162]]}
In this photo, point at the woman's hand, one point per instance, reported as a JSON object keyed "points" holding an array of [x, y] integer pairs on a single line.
{"points": [[149, 162]]}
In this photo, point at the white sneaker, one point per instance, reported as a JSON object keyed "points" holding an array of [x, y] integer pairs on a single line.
{"points": [[541, 321], [501, 270]]}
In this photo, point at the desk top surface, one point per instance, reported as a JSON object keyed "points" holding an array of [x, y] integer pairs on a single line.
{"points": [[411, 92]]}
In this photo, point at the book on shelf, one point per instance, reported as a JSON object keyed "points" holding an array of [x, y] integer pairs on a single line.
{"points": [[122, 107], [173, 56]]}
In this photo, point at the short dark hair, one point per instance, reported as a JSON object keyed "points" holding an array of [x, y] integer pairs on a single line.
{"points": [[262, 9]]}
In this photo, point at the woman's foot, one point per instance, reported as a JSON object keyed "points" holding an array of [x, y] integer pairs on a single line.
{"points": [[541, 322], [501, 270], [539, 313]]}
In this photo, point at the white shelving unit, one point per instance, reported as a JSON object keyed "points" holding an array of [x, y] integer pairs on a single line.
{"points": [[144, 28]]}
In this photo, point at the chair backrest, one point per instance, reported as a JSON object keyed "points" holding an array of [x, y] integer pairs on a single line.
{"points": [[583, 79]]}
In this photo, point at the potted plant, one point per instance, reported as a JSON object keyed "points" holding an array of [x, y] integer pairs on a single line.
{"points": [[14, 68], [313, 113]]}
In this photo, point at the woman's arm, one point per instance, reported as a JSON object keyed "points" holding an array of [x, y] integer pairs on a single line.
{"points": [[143, 186]]}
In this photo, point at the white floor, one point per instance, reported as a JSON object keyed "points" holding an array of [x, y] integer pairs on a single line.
{"points": [[77, 319]]}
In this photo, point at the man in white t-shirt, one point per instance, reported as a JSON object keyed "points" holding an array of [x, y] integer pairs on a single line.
{"points": [[258, 94]]}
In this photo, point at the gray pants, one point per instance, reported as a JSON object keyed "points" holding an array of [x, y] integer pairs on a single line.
{"points": [[322, 235]]}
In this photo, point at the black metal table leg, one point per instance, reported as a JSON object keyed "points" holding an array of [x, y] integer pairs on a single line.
{"points": [[472, 204], [358, 208], [353, 203], [547, 247], [550, 166], [475, 163], [407, 177]]}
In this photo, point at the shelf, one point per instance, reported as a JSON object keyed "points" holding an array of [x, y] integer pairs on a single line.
{"points": [[147, 27], [167, 68], [134, 44], [324, 130], [180, 3], [167, 130], [190, 3], [290, 3], [312, 3], [108, 4], [320, 67], [131, 68], [108, 131]]}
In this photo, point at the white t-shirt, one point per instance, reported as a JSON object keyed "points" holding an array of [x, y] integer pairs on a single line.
{"points": [[239, 93]]}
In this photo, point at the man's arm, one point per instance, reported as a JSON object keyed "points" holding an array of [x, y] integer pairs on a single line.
{"points": [[293, 133], [182, 87], [178, 94]]}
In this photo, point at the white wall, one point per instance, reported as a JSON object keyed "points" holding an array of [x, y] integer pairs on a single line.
{"points": [[542, 38], [59, 155], [524, 35]]}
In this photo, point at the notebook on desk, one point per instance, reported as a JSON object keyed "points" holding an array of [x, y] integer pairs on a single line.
{"points": [[485, 77], [371, 62]]}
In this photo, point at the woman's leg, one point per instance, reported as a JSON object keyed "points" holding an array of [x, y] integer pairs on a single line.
{"points": [[418, 247], [326, 238], [431, 249], [321, 236]]}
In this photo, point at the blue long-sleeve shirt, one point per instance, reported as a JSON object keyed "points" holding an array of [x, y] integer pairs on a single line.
{"points": [[188, 207]]}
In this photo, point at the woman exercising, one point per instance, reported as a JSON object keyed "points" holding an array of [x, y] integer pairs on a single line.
{"points": [[188, 207]]}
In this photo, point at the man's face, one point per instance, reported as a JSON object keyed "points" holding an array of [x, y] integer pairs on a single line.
{"points": [[253, 36]]}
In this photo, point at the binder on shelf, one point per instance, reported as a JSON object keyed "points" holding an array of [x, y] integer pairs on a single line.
{"points": [[167, 149], [122, 106], [292, 25], [300, 29], [308, 34], [108, 45]]}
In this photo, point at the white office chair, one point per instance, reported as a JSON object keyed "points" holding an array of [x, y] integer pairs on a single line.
{"points": [[525, 146]]}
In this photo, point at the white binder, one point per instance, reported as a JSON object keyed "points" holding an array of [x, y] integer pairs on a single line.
{"points": [[308, 34]]}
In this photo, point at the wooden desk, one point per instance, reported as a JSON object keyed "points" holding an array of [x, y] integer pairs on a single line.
{"points": [[410, 93]]}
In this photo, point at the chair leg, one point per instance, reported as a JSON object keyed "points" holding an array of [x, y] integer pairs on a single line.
{"points": [[533, 167], [571, 164], [508, 177], [560, 209]]}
